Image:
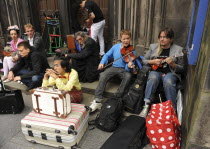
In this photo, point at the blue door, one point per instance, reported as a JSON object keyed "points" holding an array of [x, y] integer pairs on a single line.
{"points": [[197, 22]]}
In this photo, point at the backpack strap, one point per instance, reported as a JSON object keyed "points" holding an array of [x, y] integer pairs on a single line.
{"points": [[139, 61]]}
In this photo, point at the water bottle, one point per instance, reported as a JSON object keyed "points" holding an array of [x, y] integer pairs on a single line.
{"points": [[64, 45]]}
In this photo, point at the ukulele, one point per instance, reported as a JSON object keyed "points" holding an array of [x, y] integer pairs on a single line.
{"points": [[155, 67]]}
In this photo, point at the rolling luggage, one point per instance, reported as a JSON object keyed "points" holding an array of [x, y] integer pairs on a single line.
{"points": [[57, 132], [131, 134], [51, 102], [10, 101]]}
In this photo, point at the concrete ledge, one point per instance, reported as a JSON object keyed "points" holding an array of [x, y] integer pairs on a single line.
{"points": [[90, 88]]}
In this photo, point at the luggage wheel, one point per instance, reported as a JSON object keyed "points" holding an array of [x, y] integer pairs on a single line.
{"points": [[87, 108], [32, 141], [75, 147]]}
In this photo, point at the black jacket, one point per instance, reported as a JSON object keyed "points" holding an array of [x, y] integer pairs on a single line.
{"points": [[86, 62], [38, 43], [35, 62]]}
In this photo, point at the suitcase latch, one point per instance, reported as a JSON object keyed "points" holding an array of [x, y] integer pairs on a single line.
{"points": [[58, 139], [30, 133], [28, 126], [44, 137], [57, 131], [71, 130]]}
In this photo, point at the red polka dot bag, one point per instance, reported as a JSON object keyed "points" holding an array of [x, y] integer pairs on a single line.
{"points": [[163, 128]]}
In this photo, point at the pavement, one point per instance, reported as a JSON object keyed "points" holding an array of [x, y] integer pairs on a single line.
{"points": [[11, 136]]}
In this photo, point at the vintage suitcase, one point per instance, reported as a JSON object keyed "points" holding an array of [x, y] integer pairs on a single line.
{"points": [[51, 102], [57, 132]]}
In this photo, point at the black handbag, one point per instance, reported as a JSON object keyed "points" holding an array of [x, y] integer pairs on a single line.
{"points": [[10, 101]]}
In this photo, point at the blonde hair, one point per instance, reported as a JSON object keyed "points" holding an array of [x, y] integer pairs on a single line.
{"points": [[160, 50], [125, 32], [28, 26]]}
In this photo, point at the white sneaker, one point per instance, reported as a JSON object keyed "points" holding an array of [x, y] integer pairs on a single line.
{"points": [[145, 111], [94, 106], [19, 82]]}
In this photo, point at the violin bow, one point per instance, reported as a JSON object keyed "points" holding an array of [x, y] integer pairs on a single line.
{"points": [[117, 59]]}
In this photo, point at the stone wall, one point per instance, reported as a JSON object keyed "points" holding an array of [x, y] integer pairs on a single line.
{"points": [[196, 118], [145, 18]]}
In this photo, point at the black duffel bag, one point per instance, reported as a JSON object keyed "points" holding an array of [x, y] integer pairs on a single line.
{"points": [[134, 99], [10, 101]]}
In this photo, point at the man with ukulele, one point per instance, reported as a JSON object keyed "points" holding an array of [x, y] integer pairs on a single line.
{"points": [[166, 60]]}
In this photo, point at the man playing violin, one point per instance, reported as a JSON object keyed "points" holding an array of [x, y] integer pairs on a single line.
{"points": [[119, 68], [168, 69]]}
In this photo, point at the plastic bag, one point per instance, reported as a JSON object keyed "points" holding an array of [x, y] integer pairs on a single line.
{"points": [[179, 99]]}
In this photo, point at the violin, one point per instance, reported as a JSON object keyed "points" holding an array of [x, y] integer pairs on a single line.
{"points": [[130, 57]]}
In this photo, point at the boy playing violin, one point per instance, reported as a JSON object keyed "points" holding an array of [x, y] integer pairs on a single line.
{"points": [[119, 68]]}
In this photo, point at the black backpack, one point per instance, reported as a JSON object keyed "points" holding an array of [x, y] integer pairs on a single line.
{"points": [[109, 117], [133, 99]]}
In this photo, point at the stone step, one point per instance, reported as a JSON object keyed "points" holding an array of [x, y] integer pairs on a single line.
{"points": [[88, 88]]}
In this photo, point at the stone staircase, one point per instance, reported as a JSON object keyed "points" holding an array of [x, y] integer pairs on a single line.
{"points": [[87, 88]]}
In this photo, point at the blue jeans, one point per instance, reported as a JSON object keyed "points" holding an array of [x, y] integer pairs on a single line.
{"points": [[33, 82], [169, 85]]}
